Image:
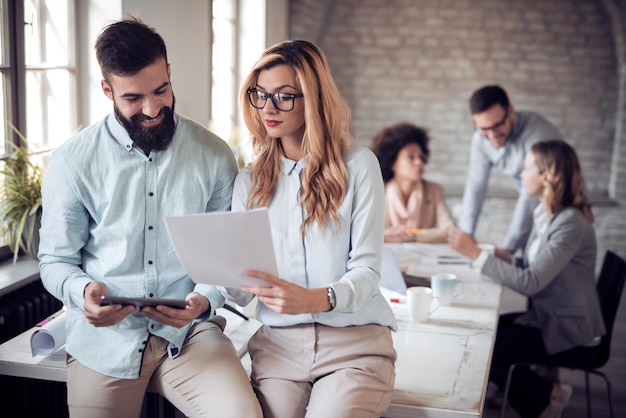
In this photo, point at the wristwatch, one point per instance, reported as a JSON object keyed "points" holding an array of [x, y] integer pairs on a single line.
{"points": [[332, 301]]}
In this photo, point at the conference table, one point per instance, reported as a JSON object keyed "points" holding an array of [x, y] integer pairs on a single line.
{"points": [[443, 363]]}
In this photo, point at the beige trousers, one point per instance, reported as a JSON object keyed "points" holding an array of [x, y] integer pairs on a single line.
{"points": [[313, 370], [206, 379]]}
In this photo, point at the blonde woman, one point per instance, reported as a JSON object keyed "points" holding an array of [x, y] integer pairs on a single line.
{"points": [[325, 348], [557, 273]]}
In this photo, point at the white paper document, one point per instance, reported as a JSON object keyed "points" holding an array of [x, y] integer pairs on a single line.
{"points": [[216, 248], [440, 254], [50, 337]]}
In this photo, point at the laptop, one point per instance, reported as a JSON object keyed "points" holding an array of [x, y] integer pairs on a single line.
{"points": [[390, 275]]}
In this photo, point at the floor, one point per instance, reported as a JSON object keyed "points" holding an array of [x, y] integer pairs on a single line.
{"points": [[611, 234]]}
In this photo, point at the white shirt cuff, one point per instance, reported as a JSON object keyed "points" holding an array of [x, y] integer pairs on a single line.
{"points": [[479, 262]]}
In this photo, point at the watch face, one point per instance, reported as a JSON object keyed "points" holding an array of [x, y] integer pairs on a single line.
{"points": [[331, 298]]}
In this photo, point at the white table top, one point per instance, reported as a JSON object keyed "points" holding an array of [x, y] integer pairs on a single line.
{"points": [[412, 263], [443, 364], [16, 358]]}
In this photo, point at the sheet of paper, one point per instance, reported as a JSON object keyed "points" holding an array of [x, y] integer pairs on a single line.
{"points": [[216, 248]]}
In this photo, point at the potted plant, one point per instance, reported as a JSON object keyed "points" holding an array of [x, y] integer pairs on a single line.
{"points": [[20, 200]]}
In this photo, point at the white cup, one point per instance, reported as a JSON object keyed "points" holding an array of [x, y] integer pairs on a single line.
{"points": [[488, 248], [419, 300], [444, 285]]}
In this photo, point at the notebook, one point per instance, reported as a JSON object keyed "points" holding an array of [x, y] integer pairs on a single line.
{"points": [[390, 275]]}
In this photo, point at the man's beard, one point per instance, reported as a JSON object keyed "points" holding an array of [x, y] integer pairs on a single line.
{"points": [[154, 138]]}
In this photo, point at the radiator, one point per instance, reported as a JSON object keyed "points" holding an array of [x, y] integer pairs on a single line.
{"points": [[30, 398], [19, 311], [23, 308]]}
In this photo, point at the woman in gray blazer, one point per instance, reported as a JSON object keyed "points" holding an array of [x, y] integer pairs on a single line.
{"points": [[557, 273]]}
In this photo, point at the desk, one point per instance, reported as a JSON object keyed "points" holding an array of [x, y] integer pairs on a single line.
{"points": [[16, 358], [441, 371], [412, 265], [443, 363]]}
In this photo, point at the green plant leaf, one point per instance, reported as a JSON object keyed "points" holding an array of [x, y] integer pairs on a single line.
{"points": [[20, 197]]}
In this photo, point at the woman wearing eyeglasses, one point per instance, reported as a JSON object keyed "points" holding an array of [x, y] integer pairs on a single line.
{"points": [[415, 209], [557, 273], [325, 348]]}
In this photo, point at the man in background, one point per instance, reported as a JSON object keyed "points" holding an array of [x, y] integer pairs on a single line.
{"points": [[502, 139], [105, 194]]}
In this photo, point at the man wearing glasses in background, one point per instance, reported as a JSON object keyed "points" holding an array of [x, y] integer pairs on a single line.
{"points": [[502, 138]]}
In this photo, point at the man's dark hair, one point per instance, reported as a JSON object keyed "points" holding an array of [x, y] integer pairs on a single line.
{"points": [[126, 47], [487, 96], [389, 141]]}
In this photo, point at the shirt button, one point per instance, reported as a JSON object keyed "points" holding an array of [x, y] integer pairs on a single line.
{"points": [[150, 262], [140, 350], [150, 194], [152, 295], [152, 326], [150, 228], [145, 342]]}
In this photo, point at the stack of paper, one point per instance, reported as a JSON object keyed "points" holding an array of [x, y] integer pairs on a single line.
{"points": [[439, 254]]}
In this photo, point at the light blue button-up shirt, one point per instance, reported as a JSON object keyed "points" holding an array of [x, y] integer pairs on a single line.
{"points": [[103, 208], [347, 260]]}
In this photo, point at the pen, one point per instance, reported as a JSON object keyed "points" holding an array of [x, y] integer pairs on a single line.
{"points": [[45, 321], [414, 230]]}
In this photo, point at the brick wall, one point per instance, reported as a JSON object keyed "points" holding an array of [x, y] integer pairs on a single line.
{"points": [[420, 60], [616, 12]]}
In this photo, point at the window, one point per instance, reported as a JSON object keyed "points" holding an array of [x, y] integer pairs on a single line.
{"points": [[8, 112], [37, 76], [50, 72], [236, 46]]}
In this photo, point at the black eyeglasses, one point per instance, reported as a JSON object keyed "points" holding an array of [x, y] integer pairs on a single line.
{"points": [[497, 125], [281, 101]]}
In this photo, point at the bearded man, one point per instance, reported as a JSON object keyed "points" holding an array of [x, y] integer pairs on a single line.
{"points": [[105, 194]]}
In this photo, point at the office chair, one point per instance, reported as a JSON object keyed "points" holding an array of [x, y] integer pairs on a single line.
{"points": [[609, 286]]}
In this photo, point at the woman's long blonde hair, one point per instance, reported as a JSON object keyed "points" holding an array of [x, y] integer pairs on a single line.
{"points": [[564, 184], [326, 136]]}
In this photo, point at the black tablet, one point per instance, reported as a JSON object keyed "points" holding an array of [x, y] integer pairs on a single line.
{"points": [[141, 302]]}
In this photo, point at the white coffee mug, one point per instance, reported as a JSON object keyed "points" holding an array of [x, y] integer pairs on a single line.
{"points": [[419, 300], [444, 286]]}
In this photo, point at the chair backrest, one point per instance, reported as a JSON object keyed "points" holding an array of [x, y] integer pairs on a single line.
{"points": [[610, 287]]}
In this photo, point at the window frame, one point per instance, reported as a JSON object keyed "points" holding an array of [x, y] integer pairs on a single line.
{"points": [[14, 86], [15, 74]]}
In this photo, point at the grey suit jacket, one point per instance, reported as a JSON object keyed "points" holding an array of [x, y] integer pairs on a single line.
{"points": [[560, 283]]}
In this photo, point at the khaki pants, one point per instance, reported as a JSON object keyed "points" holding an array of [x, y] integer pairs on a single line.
{"points": [[313, 370], [206, 379]]}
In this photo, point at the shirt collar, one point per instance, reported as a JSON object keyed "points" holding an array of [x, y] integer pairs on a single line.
{"points": [[290, 165]]}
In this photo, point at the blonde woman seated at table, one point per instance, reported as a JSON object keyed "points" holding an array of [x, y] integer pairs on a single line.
{"points": [[415, 209], [557, 273]]}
